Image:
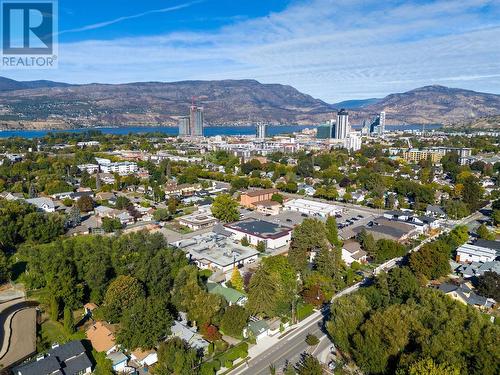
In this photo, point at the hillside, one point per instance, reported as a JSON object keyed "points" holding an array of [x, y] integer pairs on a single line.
{"points": [[157, 103], [46, 104], [435, 104]]}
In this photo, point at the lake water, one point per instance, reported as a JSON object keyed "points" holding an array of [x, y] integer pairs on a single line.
{"points": [[208, 131]]}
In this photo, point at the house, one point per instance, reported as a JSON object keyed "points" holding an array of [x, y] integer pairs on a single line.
{"points": [[118, 360], [352, 252], [249, 198], [122, 215], [70, 358], [189, 334], [88, 308], [268, 207], [476, 269], [478, 252], [102, 337], [144, 357], [273, 235], [312, 208], [465, 294], [263, 328], [182, 189], [232, 296], [398, 215], [435, 211], [42, 204], [217, 251]]}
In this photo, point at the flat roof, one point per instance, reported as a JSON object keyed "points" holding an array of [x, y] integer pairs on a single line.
{"points": [[259, 228], [215, 248], [312, 205], [256, 193]]}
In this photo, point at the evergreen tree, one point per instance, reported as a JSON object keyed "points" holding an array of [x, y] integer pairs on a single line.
{"points": [[54, 308], [332, 231], [69, 321], [263, 292]]}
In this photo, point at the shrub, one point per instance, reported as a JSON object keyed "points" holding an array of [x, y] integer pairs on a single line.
{"points": [[312, 340]]}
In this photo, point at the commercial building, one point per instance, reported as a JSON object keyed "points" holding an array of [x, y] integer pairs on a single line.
{"points": [[70, 358], [342, 128], [435, 154], [312, 208], [377, 126], [268, 207], [249, 198], [122, 168], [273, 235], [261, 131], [481, 251], [217, 251], [196, 121], [353, 142], [184, 128], [324, 131]]}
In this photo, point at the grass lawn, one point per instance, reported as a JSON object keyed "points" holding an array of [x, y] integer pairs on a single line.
{"points": [[51, 332]]}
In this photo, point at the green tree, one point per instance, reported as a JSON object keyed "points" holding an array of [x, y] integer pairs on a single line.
{"points": [[236, 279], [122, 202], [309, 365], [161, 214], [277, 197], [234, 320], [261, 246], [172, 205], [367, 242], [402, 284], [388, 249], [472, 193], [244, 241], [69, 321], [175, 356], [496, 217], [306, 237], [54, 308], [144, 324], [484, 233], [225, 208], [263, 293], [332, 231], [488, 285], [110, 225], [429, 367], [4, 268], [121, 295], [85, 203]]}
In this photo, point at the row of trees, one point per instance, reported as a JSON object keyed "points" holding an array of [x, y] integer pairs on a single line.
{"points": [[398, 326]]}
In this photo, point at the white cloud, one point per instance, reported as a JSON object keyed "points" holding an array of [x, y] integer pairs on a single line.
{"points": [[334, 50]]}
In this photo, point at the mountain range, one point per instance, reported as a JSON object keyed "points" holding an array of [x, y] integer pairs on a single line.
{"points": [[49, 105]]}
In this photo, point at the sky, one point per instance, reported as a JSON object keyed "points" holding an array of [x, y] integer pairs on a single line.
{"points": [[331, 49]]}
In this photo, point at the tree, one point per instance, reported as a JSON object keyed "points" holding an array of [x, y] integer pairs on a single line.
{"points": [[402, 284], [496, 217], [367, 242], [54, 308], [122, 202], [309, 365], [172, 205], [244, 241], [328, 262], [225, 208], [488, 285], [161, 214], [74, 217], [263, 293], [429, 367], [388, 249], [456, 209], [472, 193], [210, 332], [236, 279], [431, 261], [277, 197], [69, 321], [120, 296], [312, 340], [85, 203], [175, 356], [261, 246], [484, 233], [234, 320], [110, 225], [144, 324], [4, 268], [306, 237], [332, 231]]}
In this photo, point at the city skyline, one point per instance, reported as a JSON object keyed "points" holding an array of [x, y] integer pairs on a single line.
{"points": [[338, 51]]}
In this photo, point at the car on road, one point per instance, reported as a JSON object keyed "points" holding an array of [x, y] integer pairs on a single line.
{"points": [[304, 215]]}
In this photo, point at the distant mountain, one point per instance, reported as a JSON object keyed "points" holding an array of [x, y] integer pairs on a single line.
{"points": [[46, 104], [434, 104], [157, 103], [356, 103], [7, 84]]}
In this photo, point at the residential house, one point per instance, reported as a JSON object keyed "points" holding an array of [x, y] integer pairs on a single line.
{"points": [[118, 361], [102, 337], [200, 219], [144, 357], [435, 211], [70, 358], [268, 207], [466, 295], [189, 334], [352, 252], [232, 296], [42, 204]]}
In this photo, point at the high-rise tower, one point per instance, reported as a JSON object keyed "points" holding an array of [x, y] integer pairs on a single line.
{"points": [[342, 128]]}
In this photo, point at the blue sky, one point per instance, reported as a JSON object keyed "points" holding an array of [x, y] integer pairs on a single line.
{"points": [[331, 49]]}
